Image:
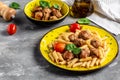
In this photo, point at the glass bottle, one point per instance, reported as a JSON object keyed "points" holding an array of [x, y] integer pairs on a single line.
{"points": [[82, 8]]}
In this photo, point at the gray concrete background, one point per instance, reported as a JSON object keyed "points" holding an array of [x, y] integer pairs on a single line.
{"points": [[20, 58]]}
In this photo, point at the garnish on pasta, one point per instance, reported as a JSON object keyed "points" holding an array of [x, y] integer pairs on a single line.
{"points": [[82, 48]]}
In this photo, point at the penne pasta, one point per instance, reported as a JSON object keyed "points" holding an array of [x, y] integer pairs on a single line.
{"points": [[88, 64], [60, 56], [78, 64], [104, 38], [97, 62], [93, 62], [84, 64], [51, 57], [102, 60], [93, 50], [63, 41], [101, 53], [62, 63], [55, 56], [86, 59], [65, 37], [72, 62]]}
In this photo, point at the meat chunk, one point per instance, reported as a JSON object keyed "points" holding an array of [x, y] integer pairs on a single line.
{"points": [[53, 18], [72, 37], [56, 13], [68, 55], [95, 43], [85, 52], [47, 10], [94, 51], [46, 13], [79, 42], [38, 15], [85, 34], [36, 9]]}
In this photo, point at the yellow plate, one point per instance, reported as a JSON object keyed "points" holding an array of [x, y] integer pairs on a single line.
{"points": [[31, 5], [54, 33]]}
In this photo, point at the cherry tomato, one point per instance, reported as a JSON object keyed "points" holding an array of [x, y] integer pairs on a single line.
{"points": [[74, 26], [11, 29], [59, 47]]}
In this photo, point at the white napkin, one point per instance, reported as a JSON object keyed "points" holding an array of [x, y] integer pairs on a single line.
{"points": [[107, 14], [109, 8]]}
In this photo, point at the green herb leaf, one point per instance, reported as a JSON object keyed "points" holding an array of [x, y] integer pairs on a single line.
{"points": [[14, 5], [44, 4], [56, 6], [70, 47], [76, 50], [83, 21], [73, 48]]}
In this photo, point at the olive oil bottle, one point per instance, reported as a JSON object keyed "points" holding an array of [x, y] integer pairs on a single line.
{"points": [[82, 8]]}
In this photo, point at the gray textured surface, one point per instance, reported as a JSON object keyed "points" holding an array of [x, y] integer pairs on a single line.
{"points": [[20, 58]]}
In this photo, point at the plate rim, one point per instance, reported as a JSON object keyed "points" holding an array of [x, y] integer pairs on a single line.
{"points": [[100, 67]]}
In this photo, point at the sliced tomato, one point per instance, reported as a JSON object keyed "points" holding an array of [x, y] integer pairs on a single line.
{"points": [[59, 47], [11, 29], [74, 27]]}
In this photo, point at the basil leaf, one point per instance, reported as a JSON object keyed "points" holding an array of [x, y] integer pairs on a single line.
{"points": [[83, 21], [70, 47], [73, 48], [76, 50], [14, 5], [44, 4], [56, 6]]}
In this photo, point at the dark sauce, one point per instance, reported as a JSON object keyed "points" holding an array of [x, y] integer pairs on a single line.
{"points": [[82, 8]]}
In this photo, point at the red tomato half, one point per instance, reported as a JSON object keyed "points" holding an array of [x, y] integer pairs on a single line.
{"points": [[74, 27], [11, 29], [59, 47]]}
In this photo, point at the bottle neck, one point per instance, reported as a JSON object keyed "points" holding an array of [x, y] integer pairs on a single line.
{"points": [[83, 0]]}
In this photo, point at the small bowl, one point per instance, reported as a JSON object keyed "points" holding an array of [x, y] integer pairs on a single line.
{"points": [[30, 5]]}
